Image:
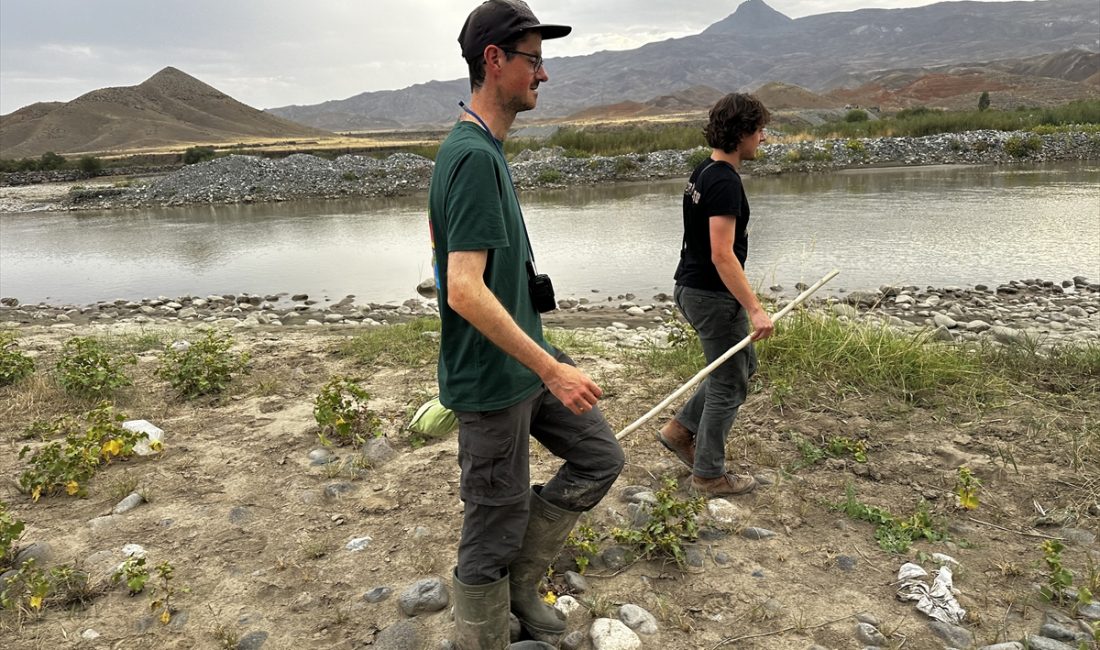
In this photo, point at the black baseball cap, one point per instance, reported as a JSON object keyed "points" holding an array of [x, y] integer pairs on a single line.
{"points": [[496, 21]]}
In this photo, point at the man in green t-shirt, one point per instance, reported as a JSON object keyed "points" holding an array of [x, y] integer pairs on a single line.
{"points": [[496, 371]]}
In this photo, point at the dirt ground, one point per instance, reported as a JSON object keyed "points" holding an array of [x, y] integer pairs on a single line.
{"points": [[235, 506]]}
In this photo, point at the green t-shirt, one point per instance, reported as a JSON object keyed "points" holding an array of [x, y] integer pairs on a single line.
{"points": [[472, 206]]}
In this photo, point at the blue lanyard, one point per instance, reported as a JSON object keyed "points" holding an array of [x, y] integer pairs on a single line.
{"points": [[511, 181]]}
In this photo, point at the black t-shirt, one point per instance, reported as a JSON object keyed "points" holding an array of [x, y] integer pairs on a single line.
{"points": [[714, 189]]}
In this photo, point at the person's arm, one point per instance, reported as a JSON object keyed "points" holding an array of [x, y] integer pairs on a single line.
{"points": [[468, 295], [722, 231]]}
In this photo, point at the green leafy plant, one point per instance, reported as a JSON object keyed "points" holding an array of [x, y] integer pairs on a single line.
{"points": [[834, 447], [68, 463], [966, 488], [163, 591], [1023, 146], [341, 411], [134, 573], [1059, 578], [547, 176], [30, 583], [14, 365], [696, 157], [11, 529], [205, 367], [584, 542], [893, 534], [672, 522], [88, 369], [197, 154]]}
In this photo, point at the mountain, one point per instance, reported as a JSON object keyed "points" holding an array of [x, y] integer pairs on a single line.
{"points": [[756, 45], [169, 108], [1045, 80]]}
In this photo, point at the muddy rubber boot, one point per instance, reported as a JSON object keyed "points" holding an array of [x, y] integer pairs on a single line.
{"points": [[481, 618], [547, 528]]}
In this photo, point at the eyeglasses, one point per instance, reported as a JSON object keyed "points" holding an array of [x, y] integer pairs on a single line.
{"points": [[535, 59]]}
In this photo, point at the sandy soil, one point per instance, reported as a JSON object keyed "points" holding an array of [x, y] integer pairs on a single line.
{"points": [[236, 507]]}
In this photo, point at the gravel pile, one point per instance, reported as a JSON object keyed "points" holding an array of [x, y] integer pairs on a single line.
{"points": [[247, 179]]}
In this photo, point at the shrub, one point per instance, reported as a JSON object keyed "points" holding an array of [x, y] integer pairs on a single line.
{"points": [[856, 146], [341, 411], [349, 177], [203, 368], [856, 115], [794, 155], [625, 166], [87, 369], [549, 176], [197, 155], [50, 161], [697, 157], [14, 365], [67, 464], [90, 165], [983, 101], [1023, 146]]}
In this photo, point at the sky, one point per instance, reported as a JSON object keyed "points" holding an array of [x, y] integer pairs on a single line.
{"points": [[270, 53]]}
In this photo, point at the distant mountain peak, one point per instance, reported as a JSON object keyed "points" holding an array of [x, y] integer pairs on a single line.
{"points": [[174, 80], [751, 15]]}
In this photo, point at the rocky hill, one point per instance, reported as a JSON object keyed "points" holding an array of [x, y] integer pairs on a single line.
{"points": [[169, 108], [813, 52]]}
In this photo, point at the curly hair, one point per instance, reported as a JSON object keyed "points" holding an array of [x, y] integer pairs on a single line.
{"points": [[734, 116]]}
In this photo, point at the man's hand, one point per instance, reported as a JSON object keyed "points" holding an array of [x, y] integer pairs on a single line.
{"points": [[762, 325], [573, 388]]}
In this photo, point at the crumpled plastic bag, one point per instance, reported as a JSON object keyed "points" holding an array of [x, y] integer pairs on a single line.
{"points": [[938, 600], [433, 420]]}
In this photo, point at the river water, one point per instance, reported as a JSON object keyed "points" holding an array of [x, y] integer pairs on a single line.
{"points": [[937, 226]]}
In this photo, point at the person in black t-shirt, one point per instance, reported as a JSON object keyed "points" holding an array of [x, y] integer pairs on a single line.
{"points": [[714, 295]]}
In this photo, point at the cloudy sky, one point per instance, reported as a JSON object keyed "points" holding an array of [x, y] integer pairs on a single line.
{"points": [[270, 53]]}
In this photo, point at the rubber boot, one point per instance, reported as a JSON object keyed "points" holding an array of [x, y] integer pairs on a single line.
{"points": [[547, 528], [481, 618]]}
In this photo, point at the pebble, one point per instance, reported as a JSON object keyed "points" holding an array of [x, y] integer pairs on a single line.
{"points": [[723, 511], [576, 582], [567, 605], [573, 641], [357, 544], [402, 635], [954, 635], [638, 619], [1035, 642], [611, 634], [869, 634], [39, 552], [252, 641], [757, 533], [129, 503], [377, 595], [1011, 645], [424, 596], [321, 456], [379, 451]]}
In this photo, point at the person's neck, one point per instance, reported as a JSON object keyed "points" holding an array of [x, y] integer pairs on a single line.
{"points": [[498, 119], [733, 157]]}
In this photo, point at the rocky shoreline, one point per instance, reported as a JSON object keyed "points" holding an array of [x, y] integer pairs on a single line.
{"points": [[1031, 311], [250, 179]]}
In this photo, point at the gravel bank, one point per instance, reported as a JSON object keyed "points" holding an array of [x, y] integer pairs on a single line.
{"points": [[248, 179]]}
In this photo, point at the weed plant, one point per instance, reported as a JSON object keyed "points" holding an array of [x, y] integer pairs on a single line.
{"points": [[584, 542], [69, 462], [14, 365], [893, 533], [11, 529], [341, 411], [205, 367], [88, 369], [835, 447], [615, 141], [405, 344], [672, 523]]}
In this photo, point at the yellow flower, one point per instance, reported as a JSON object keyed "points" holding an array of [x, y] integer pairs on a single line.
{"points": [[112, 448], [550, 598], [72, 487], [37, 492], [165, 616], [36, 602]]}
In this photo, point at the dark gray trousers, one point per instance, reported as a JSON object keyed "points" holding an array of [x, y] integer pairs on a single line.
{"points": [[493, 454], [721, 323]]}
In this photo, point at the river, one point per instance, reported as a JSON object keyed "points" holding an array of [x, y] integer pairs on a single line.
{"points": [[939, 226]]}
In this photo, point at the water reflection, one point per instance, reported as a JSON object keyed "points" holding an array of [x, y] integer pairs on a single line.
{"points": [[932, 225]]}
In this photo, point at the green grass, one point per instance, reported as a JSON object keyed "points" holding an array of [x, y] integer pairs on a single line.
{"points": [[814, 355], [396, 345], [1079, 115], [615, 141], [573, 343]]}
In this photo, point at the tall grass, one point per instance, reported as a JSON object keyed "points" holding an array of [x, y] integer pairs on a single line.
{"points": [[1084, 114], [615, 141]]}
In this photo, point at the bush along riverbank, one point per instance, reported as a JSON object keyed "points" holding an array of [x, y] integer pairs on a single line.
{"points": [[247, 179], [185, 488]]}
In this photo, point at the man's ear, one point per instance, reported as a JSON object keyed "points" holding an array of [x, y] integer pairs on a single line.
{"points": [[493, 57]]}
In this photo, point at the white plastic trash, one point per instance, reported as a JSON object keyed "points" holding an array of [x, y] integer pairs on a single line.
{"points": [[153, 434], [938, 600]]}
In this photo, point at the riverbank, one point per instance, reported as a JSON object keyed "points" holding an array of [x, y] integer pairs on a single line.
{"points": [[275, 539], [1041, 312], [249, 179]]}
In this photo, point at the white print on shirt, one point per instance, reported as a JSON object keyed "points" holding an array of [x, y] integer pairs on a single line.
{"points": [[693, 193]]}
